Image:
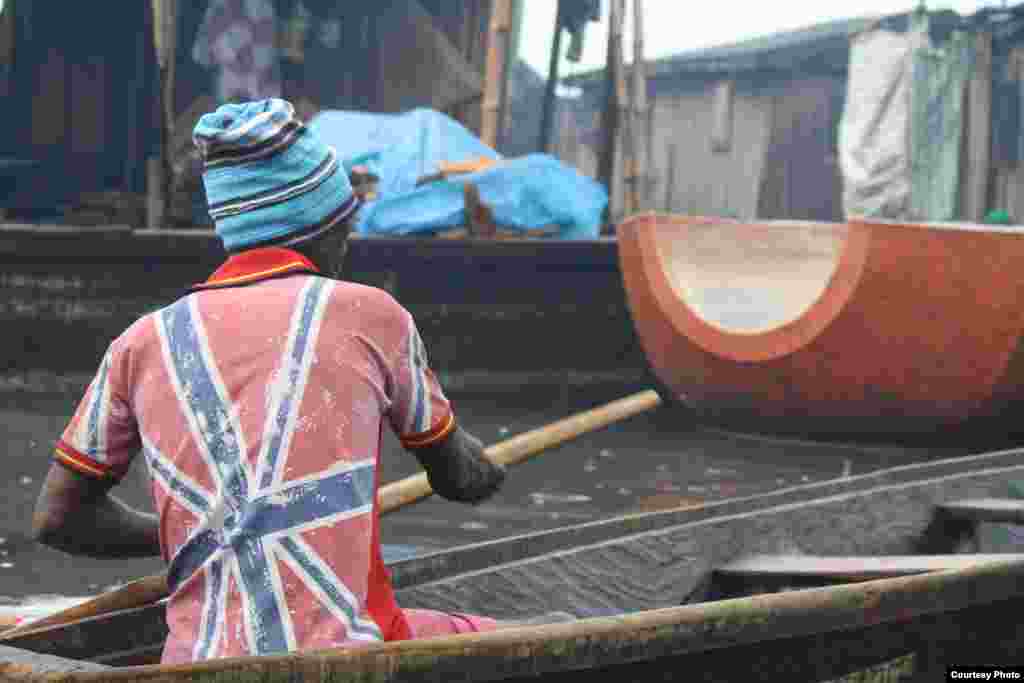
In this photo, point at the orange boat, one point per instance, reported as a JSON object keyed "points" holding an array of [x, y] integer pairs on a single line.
{"points": [[861, 330]]}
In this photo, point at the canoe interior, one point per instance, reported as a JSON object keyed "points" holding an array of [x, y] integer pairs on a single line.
{"points": [[651, 561], [749, 278]]}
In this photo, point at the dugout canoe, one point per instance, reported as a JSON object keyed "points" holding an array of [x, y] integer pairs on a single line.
{"points": [[866, 330], [911, 568]]}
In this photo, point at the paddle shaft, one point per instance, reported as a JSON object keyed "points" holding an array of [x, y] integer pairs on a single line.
{"points": [[390, 497]]}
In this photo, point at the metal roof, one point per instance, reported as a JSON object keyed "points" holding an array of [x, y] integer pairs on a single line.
{"points": [[779, 50]]}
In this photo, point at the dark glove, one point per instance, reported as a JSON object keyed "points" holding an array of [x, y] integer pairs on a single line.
{"points": [[460, 472]]}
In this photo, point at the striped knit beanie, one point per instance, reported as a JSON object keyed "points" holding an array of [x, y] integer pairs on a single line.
{"points": [[268, 178]]}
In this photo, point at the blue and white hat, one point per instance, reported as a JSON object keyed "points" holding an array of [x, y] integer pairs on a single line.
{"points": [[269, 178]]}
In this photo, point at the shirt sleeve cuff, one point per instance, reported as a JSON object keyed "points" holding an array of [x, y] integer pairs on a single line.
{"points": [[74, 459], [440, 431]]}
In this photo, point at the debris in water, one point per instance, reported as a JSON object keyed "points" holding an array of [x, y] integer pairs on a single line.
{"points": [[6, 565], [503, 431], [25, 481], [554, 515], [606, 453], [3, 539], [624, 492], [805, 478], [662, 468], [713, 472], [780, 482], [599, 485], [472, 526], [589, 466], [542, 498], [697, 489], [847, 468]]}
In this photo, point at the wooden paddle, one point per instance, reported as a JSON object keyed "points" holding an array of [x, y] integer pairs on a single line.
{"points": [[391, 497]]}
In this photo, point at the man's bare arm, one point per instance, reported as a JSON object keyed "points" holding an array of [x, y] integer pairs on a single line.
{"points": [[458, 470], [76, 514]]}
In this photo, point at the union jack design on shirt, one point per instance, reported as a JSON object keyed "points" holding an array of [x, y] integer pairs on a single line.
{"points": [[260, 426], [257, 519]]}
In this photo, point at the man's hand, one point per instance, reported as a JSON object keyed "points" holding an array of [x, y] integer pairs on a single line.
{"points": [[458, 470]]}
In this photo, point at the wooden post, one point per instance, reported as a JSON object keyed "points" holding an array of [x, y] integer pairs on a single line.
{"points": [[551, 90], [637, 166], [975, 188], [158, 171], [613, 105], [494, 87]]}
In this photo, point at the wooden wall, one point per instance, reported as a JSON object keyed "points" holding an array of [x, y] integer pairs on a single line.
{"points": [[81, 100], [760, 147], [1007, 190], [801, 178]]}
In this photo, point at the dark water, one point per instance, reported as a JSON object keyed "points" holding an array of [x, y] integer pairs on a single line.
{"points": [[651, 460]]}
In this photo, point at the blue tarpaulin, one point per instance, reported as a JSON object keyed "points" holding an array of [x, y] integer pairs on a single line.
{"points": [[525, 193]]}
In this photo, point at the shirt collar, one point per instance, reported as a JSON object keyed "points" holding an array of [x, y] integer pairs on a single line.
{"points": [[254, 265]]}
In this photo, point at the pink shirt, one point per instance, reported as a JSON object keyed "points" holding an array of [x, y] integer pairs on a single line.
{"points": [[258, 401]]}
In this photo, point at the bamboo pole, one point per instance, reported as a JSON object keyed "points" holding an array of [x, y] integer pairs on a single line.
{"points": [[637, 179], [550, 90], [494, 86], [612, 120], [391, 497]]}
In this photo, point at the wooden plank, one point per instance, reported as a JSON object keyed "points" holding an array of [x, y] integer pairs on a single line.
{"points": [[49, 126], [996, 510], [975, 185], [722, 116], [855, 567]]}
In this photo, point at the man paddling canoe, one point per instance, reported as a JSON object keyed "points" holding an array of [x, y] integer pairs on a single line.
{"points": [[258, 400]]}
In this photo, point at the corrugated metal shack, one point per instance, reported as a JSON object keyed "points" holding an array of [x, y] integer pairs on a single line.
{"points": [[751, 129], [747, 129]]}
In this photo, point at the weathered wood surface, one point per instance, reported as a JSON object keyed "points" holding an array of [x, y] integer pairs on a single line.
{"points": [[855, 568], [998, 510], [506, 313], [13, 660], [812, 635], [887, 513], [862, 329]]}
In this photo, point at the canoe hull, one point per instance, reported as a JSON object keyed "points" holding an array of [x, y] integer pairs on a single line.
{"points": [[916, 626], [660, 561], [668, 556], [884, 331]]}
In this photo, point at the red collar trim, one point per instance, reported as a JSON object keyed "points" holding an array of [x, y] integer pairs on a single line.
{"points": [[254, 265]]}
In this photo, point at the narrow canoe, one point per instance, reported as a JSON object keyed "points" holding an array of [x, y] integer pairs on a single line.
{"points": [[894, 569], [869, 330]]}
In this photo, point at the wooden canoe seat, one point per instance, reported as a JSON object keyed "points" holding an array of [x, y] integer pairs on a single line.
{"points": [[851, 568], [995, 510]]}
